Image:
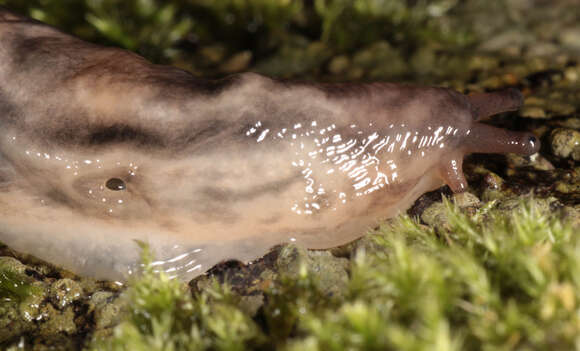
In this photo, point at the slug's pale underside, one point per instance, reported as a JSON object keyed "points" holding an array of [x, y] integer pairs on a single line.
{"points": [[99, 148]]}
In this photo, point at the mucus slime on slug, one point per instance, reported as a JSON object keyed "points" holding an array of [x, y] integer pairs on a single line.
{"points": [[99, 148]]}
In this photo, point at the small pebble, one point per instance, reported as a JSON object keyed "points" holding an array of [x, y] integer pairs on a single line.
{"points": [[64, 292], [565, 143], [533, 112]]}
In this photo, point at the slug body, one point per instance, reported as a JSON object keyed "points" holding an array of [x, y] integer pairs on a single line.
{"points": [[99, 149]]}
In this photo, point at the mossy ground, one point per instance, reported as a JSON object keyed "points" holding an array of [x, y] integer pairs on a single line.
{"points": [[490, 280], [495, 269]]}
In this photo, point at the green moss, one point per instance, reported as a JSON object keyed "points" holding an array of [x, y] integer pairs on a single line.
{"points": [[267, 31], [403, 23], [164, 316], [495, 279], [14, 283]]}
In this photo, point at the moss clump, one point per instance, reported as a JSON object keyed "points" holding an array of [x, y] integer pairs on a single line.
{"points": [[164, 316], [14, 283], [493, 280], [488, 280]]}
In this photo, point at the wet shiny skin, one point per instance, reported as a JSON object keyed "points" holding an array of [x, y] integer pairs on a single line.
{"points": [[100, 149]]}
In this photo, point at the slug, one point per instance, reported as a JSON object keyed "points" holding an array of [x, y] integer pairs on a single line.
{"points": [[100, 149]]}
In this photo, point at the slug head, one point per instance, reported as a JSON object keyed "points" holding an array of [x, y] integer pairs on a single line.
{"points": [[483, 138]]}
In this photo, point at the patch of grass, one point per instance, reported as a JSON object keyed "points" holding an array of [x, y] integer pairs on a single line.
{"points": [[494, 280]]}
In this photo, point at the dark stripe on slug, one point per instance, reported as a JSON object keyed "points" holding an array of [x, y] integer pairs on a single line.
{"points": [[57, 196], [204, 131], [37, 54], [228, 195], [121, 133], [174, 83], [8, 112], [215, 204], [4, 178], [75, 134], [191, 136]]}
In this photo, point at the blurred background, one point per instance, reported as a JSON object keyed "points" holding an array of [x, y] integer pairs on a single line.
{"points": [[427, 41]]}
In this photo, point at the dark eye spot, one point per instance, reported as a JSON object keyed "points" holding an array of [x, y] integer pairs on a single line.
{"points": [[532, 140], [115, 184]]}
